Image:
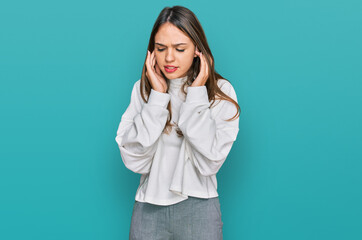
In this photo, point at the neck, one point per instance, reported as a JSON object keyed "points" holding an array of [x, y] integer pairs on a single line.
{"points": [[176, 83]]}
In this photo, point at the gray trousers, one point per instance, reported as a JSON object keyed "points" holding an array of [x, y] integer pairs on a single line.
{"points": [[191, 219]]}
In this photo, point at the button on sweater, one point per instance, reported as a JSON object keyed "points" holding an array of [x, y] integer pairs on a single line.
{"points": [[172, 167]]}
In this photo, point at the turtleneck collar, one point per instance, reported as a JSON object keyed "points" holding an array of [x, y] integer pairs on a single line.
{"points": [[176, 83]]}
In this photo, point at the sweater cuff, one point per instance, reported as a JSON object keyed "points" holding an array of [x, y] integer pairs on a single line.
{"points": [[197, 94], [158, 98]]}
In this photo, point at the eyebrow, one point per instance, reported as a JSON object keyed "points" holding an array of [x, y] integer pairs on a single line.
{"points": [[175, 45]]}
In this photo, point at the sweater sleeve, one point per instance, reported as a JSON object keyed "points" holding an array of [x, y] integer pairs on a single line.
{"points": [[140, 128], [210, 137]]}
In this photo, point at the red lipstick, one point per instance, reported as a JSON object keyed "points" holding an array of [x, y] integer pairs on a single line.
{"points": [[170, 68]]}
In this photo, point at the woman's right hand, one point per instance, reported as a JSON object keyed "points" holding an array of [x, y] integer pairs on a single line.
{"points": [[154, 75]]}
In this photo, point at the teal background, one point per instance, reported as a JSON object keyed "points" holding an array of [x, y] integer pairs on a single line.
{"points": [[67, 69]]}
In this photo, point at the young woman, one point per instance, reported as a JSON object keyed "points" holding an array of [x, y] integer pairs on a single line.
{"points": [[177, 131]]}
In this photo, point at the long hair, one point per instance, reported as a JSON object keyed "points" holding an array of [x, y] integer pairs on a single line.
{"points": [[187, 22]]}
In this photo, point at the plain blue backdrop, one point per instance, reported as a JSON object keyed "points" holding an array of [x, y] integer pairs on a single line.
{"points": [[67, 69]]}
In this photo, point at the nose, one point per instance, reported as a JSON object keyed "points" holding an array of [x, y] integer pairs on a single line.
{"points": [[170, 55]]}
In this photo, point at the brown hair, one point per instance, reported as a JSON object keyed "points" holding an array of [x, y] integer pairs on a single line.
{"points": [[187, 22]]}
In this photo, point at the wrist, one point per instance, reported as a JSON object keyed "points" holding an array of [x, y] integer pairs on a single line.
{"points": [[196, 84]]}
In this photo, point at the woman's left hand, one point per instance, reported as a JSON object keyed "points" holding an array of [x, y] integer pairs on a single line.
{"points": [[204, 71]]}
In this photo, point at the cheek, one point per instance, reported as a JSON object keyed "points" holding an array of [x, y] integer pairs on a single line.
{"points": [[188, 59], [158, 58], [159, 62]]}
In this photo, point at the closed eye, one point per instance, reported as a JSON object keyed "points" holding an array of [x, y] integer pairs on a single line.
{"points": [[161, 49]]}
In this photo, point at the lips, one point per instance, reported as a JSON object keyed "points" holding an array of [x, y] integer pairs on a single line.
{"points": [[170, 68]]}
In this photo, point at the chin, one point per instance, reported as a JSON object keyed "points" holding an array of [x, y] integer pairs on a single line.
{"points": [[173, 76]]}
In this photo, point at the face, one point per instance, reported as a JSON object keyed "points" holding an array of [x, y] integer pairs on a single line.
{"points": [[174, 51]]}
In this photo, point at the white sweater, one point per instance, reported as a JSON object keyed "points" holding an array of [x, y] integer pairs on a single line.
{"points": [[174, 168]]}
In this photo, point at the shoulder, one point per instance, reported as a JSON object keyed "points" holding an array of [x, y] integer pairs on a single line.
{"points": [[136, 88], [136, 85], [226, 87], [136, 98], [224, 107]]}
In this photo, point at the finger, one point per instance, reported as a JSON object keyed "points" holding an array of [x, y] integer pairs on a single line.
{"points": [[148, 59], [206, 67], [155, 62], [154, 54], [152, 60], [207, 71], [198, 54], [148, 66], [203, 63]]}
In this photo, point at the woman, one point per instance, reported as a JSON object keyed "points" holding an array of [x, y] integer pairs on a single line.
{"points": [[177, 132]]}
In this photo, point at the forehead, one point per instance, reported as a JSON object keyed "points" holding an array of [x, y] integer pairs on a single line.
{"points": [[170, 34]]}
